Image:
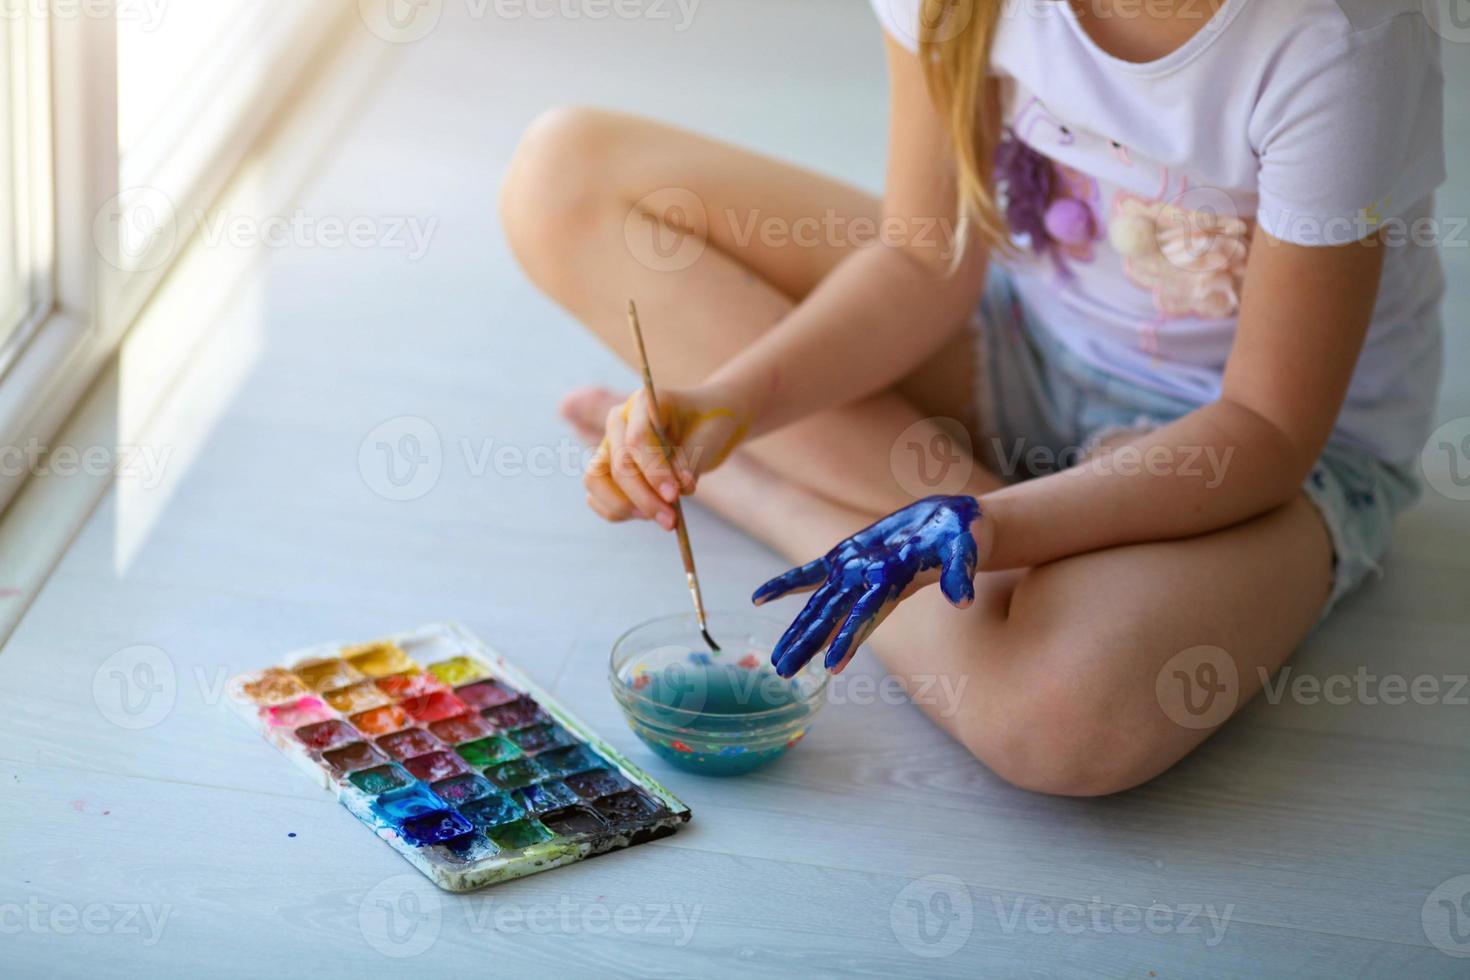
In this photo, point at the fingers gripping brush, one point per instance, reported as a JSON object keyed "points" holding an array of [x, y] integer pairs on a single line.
{"points": [[681, 529]]}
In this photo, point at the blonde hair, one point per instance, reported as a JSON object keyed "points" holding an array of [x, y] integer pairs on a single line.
{"points": [[954, 45]]}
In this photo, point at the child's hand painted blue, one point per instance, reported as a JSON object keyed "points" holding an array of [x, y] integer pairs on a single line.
{"points": [[860, 581]]}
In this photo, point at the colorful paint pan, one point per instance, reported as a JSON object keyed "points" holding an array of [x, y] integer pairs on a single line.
{"points": [[454, 757], [485, 752], [574, 821], [356, 697], [327, 735], [352, 757], [457, 670], [461, 728], [381, 721], [539, 738], [327, 673], [436, 766], [545, 796], [299, 713], [410, 683], [484, 694], [378, 659], [409, 743], [433, 707], [515, 714], [275, 685]]}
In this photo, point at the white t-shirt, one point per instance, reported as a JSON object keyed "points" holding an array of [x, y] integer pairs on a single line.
{"points": [[1321, 120]]}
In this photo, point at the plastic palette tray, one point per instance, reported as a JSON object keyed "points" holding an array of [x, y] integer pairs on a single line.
{"points": [[453, 756]]}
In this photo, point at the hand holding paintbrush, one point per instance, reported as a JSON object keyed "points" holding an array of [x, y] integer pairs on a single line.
{"points": [[681, 527], [654, 448]]}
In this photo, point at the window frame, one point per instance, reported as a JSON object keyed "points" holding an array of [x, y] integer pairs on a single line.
{"points": [[27, 48], [89, 299]]}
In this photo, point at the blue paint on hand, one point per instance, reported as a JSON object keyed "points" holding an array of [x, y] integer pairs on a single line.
{"points": [[858, 582]]}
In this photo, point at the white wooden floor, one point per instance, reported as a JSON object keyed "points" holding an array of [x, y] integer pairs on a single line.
{"points": [[1307, 839]]}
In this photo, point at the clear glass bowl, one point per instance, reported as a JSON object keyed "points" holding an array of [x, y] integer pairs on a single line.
{"points": [[718, 714]]}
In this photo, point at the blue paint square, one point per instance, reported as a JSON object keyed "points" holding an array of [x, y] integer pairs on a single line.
{"points": [[407, 803], [543, 797], [575, 758], [493, 810], [435, 828]]}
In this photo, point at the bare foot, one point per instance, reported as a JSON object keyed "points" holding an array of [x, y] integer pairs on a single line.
{"points": [[585, 410]]}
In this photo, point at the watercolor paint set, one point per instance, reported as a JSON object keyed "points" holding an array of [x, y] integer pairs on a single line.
{"points": [[452, 756]]}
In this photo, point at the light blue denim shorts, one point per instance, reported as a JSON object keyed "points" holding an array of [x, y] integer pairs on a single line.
{"points": [[1043, 408]]}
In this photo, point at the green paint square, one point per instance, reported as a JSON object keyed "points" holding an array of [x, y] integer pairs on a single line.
{"points": [[520, 833], [489, 751]]}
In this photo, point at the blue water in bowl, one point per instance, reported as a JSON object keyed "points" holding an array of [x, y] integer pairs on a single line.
{"points": [[710, 718]]}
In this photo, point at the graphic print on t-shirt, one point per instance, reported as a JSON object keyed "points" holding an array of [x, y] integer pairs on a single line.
{"points": [[1316, 122], [1186, 249]]}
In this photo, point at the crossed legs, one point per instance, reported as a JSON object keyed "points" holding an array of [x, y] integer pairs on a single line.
{"points": [[1058, 665]]}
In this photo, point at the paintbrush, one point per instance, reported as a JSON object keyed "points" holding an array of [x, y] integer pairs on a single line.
{"points": [[680, 528]]}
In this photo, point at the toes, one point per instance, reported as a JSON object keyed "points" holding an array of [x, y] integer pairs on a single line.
{"points": [[587, 408]]}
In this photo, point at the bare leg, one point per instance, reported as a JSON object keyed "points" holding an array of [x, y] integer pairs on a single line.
{"points": [[1057, 666], [571, 209], [1052, 677]]}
